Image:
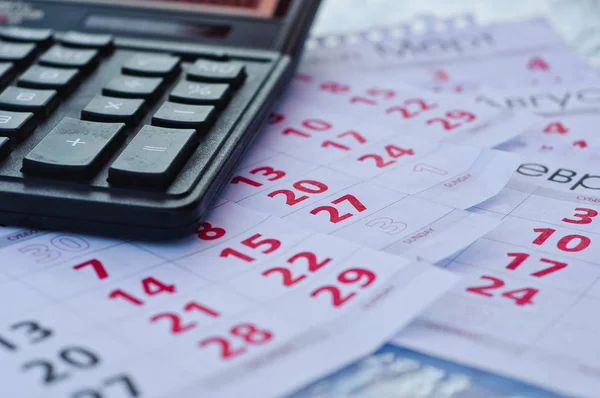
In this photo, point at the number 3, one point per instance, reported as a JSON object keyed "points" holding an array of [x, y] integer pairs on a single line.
{"points": [[585, 217]]}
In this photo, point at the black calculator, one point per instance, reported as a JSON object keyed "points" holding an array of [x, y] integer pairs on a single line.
{"points": [[126, 117]]}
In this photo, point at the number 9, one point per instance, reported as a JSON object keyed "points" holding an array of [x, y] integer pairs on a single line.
{"points": [[354, 275], [467, 116]]}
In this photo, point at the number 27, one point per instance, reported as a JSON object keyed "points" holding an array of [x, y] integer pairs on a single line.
{"points": [[334, 214]]}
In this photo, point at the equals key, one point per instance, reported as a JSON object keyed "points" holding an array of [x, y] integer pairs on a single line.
{"points": [[153, 158]]}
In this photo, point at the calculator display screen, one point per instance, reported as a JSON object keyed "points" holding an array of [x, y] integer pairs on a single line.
{"points": [[252, 8]]}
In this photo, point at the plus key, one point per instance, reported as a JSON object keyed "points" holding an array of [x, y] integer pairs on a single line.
{"points": [[73, 149]]}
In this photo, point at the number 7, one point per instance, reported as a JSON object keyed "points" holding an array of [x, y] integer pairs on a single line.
{"points": [[98, 268]]}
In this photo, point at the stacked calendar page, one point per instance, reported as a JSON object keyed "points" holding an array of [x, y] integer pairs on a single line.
{"points": [[419, 218]]}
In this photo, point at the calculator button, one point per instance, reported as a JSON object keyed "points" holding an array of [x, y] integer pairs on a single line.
{"points": [[16, 52], [151, 65], [5, 72], [153, 158], [28, 100], [15, 33], [4, 147], [73, 149], [108, 109], [85, 40], [16, 125], [133, 87], [204, 70], [45, 77], [200, 93], [199, 117], [64, 57]]}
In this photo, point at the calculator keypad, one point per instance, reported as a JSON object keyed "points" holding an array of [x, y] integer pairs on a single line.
{"points": [[199, 117], [201, 93], [4, 147], [86, 40], [28, 100], [204, 70], [108, 109], [50, 78], [64, 57], [153, 157], [5, 72], [132, 119], [73, 149], [16, 125], [16, 52], [15, 33], [152, 65], [133, 87]]}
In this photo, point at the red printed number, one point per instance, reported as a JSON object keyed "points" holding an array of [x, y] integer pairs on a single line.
{"points": [[266, 171], [334, 87], [568, 243], [521, 297], [309, 124], [307, 186], [254, 242], [97, 267], [584, 217], [392, 151], [351, 276], [313, 265], [246, 332], [151, 287], [373, 92], [208, 232], [275, 118], [356, 136], [453, 119], [334, 214], [411, 108], [177, 325], [519, 258], [556, 128]]}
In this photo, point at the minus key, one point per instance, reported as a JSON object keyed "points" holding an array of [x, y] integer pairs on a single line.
{"points": [[181, 116]]}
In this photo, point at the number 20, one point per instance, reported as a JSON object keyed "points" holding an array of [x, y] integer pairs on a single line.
{"points": [[308, 186]]}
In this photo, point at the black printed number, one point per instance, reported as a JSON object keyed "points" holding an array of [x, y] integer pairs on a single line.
{"points": [[73, 358]]}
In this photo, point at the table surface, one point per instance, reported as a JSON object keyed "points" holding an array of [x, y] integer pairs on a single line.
{"points": [[577, 20]]}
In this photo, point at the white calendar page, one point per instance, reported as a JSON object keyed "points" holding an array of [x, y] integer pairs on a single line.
{"points": [[566, 135], [249, 298], [548, 100], [535, 144], [526, 306], [517, 53], [365, 183], [409, 110], [568, 115], [341, 47]]}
